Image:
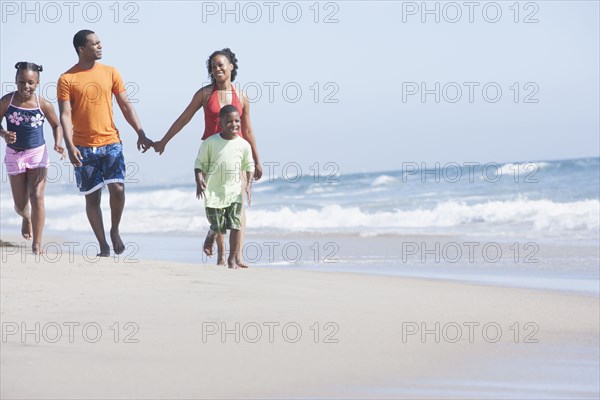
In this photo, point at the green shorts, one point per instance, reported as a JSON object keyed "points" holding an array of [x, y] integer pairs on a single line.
{"points": [[222, 219]]}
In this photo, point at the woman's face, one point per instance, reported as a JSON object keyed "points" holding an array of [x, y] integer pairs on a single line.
{"points": [[27, 82], [221, 68]]}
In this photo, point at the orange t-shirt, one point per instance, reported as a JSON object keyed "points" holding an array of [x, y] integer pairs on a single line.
{"points": [[90, 93]]}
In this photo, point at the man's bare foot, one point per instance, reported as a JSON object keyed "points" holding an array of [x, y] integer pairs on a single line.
{"points": [[209, 243], [117, 243], [231, 264], [104, 251], [26, 228], [241, 264]]}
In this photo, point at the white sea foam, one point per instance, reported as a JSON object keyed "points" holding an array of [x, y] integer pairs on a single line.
{"points": [[521, 169], [384, 180], [179, 210]]}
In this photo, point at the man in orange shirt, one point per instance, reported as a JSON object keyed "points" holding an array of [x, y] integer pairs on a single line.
{"points": [[85, 102]]}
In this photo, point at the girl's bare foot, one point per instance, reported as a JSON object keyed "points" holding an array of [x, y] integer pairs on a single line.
{"points": [[26, 228], [36, 248]]}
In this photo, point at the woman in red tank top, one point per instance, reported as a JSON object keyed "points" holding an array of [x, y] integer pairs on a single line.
{"points": [[222, 69]]}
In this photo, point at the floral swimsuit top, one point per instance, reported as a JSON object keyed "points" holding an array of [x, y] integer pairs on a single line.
{"points": [[27, 123]]}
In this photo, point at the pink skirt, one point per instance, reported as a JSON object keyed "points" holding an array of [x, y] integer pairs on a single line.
{"points": [[19, 161]]}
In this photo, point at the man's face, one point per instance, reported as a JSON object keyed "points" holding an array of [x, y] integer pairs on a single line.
{"points": [[92, 49]]}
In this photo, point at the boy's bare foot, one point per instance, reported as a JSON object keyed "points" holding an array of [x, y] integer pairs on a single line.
{"points": [[117, 243], [26, 228], [209, 243]]}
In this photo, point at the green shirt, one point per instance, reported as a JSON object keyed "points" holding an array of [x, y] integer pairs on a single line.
{"points": [[222, 161]]}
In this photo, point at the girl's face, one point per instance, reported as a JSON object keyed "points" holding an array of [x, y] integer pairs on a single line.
{"points": [[27, 82], [221, 68]]}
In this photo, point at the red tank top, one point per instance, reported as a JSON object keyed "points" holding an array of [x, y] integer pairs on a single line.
{"points": [[211, 113]]}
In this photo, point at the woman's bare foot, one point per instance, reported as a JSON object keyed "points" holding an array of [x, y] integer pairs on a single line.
{"points": [[209, 243], [241, 264], [221, 260], [231, 264], [26, 228], [117, 243]]}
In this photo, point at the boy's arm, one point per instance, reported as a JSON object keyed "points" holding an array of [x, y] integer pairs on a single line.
{"points": [[200, 170], [130, 115], [200, 183]]}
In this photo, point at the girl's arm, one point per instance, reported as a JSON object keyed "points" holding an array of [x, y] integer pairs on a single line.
{"points": [[8, 136], [52, 118], [185, 117], [248, 134]]}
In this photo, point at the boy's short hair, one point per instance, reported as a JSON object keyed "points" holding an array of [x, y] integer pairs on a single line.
{"points": [[228, 109]]}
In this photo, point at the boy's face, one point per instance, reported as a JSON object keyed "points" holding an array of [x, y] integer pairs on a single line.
{"points": [[231, 123]]}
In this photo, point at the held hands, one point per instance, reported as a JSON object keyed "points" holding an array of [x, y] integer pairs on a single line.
{"points": [[144, 144], [159, 147]]}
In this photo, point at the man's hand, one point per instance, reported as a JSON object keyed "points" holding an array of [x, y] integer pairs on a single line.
{"points": [[75, 156], [144, 144]]}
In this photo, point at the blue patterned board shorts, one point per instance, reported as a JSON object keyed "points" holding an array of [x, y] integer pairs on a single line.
{"points": [[222, 219], [101, 166]]}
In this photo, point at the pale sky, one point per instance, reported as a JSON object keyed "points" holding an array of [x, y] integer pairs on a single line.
{"points": [[514, 81]]}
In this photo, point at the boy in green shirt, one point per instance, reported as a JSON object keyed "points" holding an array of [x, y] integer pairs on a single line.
{"points": [[219, 164]]}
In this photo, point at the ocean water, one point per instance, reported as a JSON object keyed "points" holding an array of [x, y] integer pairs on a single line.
{"points": [[538, 219]]}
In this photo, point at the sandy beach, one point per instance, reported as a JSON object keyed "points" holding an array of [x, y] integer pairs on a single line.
{"points": [[72, 328]]}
